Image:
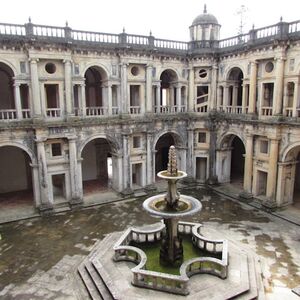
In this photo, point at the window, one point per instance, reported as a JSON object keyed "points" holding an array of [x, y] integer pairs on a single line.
{"points": [[202, 94], [202, 73], [201, 137], [292, 64], [76, 69], [23, 67], [264, 147], [137, 142], [50, 68], [269, 67], [56, 149], [135, 71], [114, 70]]}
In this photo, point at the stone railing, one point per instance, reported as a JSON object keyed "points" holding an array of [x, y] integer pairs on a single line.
{"points": [[26, 114], [96, 111], [8, 114], [53, 112], [201, 108], [31, 31], [266, 110], [134, 110], [177, 284], [169, 109]]}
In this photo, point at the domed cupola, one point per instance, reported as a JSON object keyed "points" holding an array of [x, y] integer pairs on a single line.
{"points": [[205, 27]]}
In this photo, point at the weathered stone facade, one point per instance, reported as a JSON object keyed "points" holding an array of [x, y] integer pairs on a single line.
{"points": [[73, 99]]}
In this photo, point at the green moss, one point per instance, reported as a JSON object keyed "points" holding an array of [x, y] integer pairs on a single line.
{"points": [[152, 251]]}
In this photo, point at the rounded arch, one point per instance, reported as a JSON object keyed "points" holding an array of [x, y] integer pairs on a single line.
{"points": [[231, 68], [22, 147], [112, 142], [290, 152], [12, 69], [227, 137], [99, 67], [173, 73], [178, 139]]}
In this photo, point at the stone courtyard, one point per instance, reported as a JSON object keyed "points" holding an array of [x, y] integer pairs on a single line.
{"points": [[38, 255]]}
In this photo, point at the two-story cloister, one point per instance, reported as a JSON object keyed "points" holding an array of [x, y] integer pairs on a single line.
{"points": [[81, 112]]}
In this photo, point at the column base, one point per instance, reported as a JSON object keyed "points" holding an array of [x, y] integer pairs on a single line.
{"points": [[269, 204], [46, 209], [127, 192], [150, 188], [76, 202], [212, 180], [245, 195]]}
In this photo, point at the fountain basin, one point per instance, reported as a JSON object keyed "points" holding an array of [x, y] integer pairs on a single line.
{"points": [[165, 175], [157, 206]]}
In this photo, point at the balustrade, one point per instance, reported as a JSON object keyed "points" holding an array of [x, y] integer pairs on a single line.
{"points": [[134, 110], [26, 114], [266, 111], [96, 111], [8, 114], [53, 112], [289, 111]]}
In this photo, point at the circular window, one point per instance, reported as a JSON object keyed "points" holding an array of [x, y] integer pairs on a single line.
{"points": [[134, 71], [269, 67], [50, 68], [202, 73]]}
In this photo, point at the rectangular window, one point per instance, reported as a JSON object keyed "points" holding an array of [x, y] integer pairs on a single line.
{"points": [[23, 67], [264, 147], [52, 95], [292, 64], [202, 94], [56, 149], [76, 69], [137, 142], [114, 70], [134, 95], [268, 89], [201, 137]]}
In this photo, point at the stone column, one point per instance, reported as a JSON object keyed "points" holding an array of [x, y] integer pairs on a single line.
{"points": [[76, 185], [272, 174], [226, 97], [295, 100], [252, 88], [278, 88], [109, 99], [219, 98], [36, 101], [191, 103], [82, 100], [46, 200], [178, 97], [212, 155], [126, 166], [213, 89], [158, 98], [149, 158], [18, 101], [124, 104], [248, 169], [244, 99], [234, 95], [68, 87], [142, 99], [149, 89], [190, 152]]}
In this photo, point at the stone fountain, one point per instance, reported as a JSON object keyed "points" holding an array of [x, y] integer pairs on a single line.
{"points": [[170, 207], [104, 277]]}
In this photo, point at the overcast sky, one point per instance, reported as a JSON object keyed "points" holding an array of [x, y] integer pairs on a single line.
{"points": [[168, 19]]}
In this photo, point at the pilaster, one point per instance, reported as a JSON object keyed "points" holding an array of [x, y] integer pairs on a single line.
{"points": [[252, 87], [68, 87], [36, 101], [278, 88]]}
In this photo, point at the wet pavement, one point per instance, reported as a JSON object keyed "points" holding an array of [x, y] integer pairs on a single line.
{"points": [[32, 249]]}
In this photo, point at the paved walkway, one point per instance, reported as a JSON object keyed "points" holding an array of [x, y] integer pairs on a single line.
{"points": [[37, 253]]}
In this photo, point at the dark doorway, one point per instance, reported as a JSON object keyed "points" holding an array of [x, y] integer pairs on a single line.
{"points": [[162, 151], [237, 161]]}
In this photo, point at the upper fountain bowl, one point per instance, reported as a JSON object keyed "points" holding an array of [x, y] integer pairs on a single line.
{"points": [[166, 175]]}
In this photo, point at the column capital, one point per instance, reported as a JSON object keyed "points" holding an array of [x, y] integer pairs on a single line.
{"points": [[67, 61], [40, 140], [280, 59], [149, 66], [33, 60]]}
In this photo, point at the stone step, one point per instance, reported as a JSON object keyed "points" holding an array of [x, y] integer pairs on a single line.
{"points": [[106, 279], [98, 281], [88, 283]]}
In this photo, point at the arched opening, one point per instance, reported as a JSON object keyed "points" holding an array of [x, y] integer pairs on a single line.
{"points": [[162, 149], [296, 198], [7, 102], [237, 162], [230, 160], [235, 81], [97, 166], [94, 91], [15, 177], [168, 95]]}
